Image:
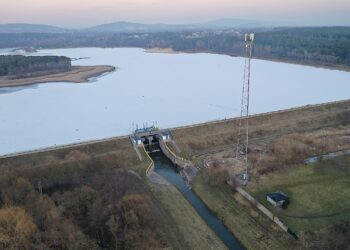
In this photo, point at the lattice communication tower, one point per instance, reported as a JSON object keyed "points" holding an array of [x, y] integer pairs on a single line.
{"points": [[243, 130]]}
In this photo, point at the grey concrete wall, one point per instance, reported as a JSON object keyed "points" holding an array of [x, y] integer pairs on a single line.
{"points": [[178, 161]]}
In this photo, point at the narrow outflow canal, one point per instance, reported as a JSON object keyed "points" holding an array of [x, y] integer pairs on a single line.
{"points": [[165, 168]]}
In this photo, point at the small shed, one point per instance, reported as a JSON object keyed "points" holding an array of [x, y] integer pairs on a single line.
{"points": [[137, 140], [165, 135], [278, 199]]}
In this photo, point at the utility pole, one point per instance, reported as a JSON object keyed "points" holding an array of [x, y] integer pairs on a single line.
{"points": [[243, 129], [208, 39], [40, 187]]}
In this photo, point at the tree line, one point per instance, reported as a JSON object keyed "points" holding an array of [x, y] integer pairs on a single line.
{"points": [[322, 45], [18, 66]]}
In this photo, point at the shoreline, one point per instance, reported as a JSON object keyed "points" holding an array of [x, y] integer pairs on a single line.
{"points": [[343, 68], [78, 74], [309, 64], [159, 50]]}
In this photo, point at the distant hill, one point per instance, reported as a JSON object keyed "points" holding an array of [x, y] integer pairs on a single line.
{"points": [[130, 27], [133, 27], [136, 27], [141, 27], [30, 28]]}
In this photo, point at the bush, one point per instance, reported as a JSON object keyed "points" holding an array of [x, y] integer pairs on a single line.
{"points": [[16, 228], [345, 117], [289, 149], [218, 173]]}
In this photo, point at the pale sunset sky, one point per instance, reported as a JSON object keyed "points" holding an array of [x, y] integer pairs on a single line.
{"points": [[84, 13]]}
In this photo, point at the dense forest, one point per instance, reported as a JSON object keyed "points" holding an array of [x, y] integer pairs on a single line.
{"points": [[73, 201], [329, 46], [17, 66], [323, 45]]}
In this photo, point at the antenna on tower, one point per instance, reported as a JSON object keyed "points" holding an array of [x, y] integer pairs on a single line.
{"points": [[243, 129]]}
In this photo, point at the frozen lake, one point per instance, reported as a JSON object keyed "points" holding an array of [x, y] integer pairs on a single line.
{"points": [[172, 89]]}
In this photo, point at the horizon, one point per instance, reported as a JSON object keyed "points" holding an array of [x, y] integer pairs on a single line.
{"points": [[83, 14], [249, 22]]}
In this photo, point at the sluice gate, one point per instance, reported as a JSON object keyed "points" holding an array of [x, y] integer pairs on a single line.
{"points": [[153, 140], [150, 139]]}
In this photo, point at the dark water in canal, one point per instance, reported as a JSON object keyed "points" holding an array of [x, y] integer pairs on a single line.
{"points": [[165, 168]]}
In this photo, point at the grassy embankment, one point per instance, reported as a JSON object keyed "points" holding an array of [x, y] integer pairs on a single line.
{"points": [[199, 140], [296, 133], [185, 222], [179, 225], [319, 193], [318, 213], [252, 229]]}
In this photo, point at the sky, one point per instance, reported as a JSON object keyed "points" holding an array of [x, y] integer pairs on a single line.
{"points": [[85, 13]]}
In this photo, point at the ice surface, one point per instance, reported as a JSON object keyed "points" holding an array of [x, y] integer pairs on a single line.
{"points": [[172, 89]]}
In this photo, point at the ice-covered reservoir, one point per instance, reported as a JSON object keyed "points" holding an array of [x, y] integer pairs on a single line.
{"points": [[172, 89]]}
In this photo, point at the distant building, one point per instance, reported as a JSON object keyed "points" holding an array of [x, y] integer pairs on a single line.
{"points": [[165, 135], [278, 199], [136, 140], [145, 130]]}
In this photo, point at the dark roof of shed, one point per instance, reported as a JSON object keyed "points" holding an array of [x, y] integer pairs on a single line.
{"points": [[278, 196]]}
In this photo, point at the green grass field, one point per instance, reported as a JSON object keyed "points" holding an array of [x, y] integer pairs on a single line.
{"points": [[319, 194], [191, 230], [251, 228]]}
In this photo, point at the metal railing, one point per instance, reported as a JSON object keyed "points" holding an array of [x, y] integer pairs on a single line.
{"points": [[174, 155], [151, 165]]}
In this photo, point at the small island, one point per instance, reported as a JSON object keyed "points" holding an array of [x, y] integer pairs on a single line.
{"points": [[18, 70]]}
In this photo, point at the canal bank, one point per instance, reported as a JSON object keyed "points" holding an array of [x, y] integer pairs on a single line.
{"points": [[164, 167]]}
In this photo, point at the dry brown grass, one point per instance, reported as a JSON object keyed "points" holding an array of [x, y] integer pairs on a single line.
{"points": [[206, 138], [333, 237], [294, 148], [278, 140], [218, 172]]}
